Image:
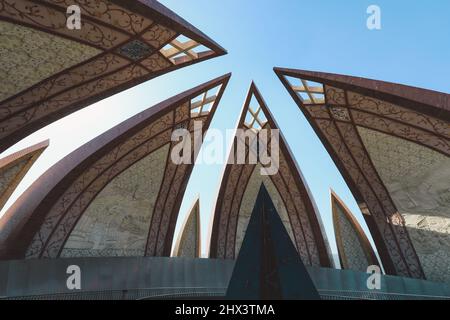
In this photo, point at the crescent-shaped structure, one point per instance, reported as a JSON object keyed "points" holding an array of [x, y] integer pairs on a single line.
{"points": [[391, 143], [49, 69], [117, 195]]}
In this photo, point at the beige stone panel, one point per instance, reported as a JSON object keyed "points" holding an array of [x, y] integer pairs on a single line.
{"points": [[189, 240], [8, 175], [117, 221], [418, 180], [28, 56], [353, 248], [248, 202]]}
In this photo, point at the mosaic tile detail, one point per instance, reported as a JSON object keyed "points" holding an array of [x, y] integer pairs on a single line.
{"points": [[135, 50]]}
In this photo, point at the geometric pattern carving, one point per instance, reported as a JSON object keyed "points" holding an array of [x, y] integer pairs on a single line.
{"points": [[188, 243], [15, 166], [340, 113], [50, 71], [135, 50], [86, 181], [234, 202], [416, 115], [355, 251]]}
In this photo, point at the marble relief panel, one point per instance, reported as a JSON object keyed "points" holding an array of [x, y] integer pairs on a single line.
{"points": [[116, 223]]}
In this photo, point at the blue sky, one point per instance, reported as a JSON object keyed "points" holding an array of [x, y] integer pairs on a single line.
{"points": [[412, 48]]}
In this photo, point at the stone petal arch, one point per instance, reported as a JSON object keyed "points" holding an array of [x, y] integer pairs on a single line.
{"points": [[40, 222], [15, 166], [50, 71], [356, 119], [287, 188]]}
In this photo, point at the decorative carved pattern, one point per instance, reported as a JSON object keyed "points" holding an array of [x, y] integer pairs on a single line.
{"points": [[318, 111], [355, 258], [335, 96], [109, 13], [72, 96], [289, 186], [340, 113], [116, 48], [403, 130], [75, 200], [155, 63], [44, 56], [417, 180], [188, 244], [158, 35], [41, 16], [331, 133], [118, 219], [387, 115], [156, 135], [398, 113], [99, 67]]}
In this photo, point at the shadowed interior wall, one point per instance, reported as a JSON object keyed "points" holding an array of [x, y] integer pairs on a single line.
{"points": [[418, 180]]}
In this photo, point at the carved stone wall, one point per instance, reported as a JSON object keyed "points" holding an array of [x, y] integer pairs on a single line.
{"points": [[418, 180], [412, 114], [49, 71], [355, 258], [287, 188], [28, 56], [116, 222], [190, 237]]}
